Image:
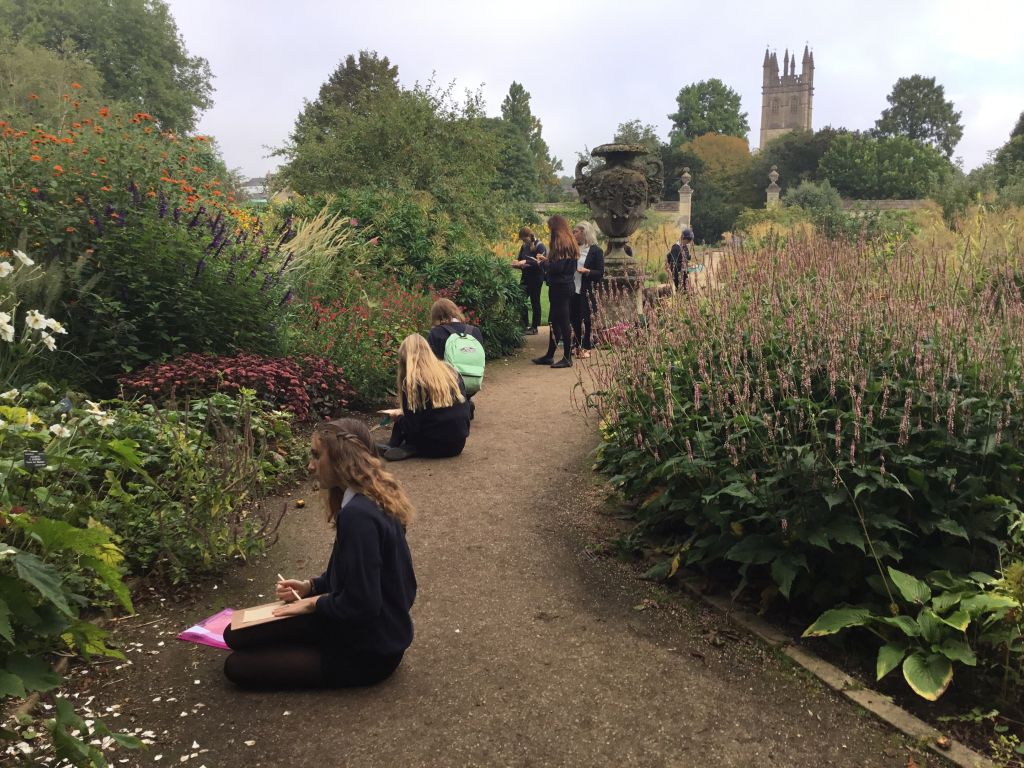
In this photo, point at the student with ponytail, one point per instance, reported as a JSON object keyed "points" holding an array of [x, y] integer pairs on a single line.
{"points": [[560, 271]]}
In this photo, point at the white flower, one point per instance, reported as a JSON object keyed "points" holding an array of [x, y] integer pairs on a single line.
{"points": [[104, 419], [35, 319], [55, 326], [5, 317], [10, 394], [24, 259], [59, 430], [6, 332], [49, 341], [6, 268], [94, 408], [2, 423]]}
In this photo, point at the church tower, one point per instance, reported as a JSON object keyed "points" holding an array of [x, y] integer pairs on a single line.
{"points": [[786, 99]]}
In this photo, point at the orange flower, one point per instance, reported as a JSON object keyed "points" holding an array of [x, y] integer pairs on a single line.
{"points": [[97, 129], [33, 96], [34, 190], [76, 86], [35, 158], [104, 112], [104, 189], [143, 116], [197, 169], [58, 169], [101, 160], [69, 229]]}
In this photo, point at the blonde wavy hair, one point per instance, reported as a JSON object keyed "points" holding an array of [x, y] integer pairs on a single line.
{"points": [[589, 231], [445, 310], [423, 380], [348, 459]]}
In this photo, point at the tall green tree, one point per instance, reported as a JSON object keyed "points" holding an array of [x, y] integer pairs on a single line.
{"points": [[422, 140], [709, 106], [796, 154], [134, 44], [637, 132], [918, 110], [353, 85], [515, 110], [866, 167]]}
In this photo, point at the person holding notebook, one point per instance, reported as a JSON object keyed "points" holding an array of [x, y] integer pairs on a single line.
{"points": [[349, 626]]}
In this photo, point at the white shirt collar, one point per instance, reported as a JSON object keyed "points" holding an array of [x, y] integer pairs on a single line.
{"points": [[348, 496]]}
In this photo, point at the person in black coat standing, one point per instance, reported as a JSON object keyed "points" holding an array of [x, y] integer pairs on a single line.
{"points": [[678, 259], [589, 272], [560, 269], [531, 253]]}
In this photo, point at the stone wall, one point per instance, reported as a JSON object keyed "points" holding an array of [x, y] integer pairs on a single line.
{"points": [[884, 205]]}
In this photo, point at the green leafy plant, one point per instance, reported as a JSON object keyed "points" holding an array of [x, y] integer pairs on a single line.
{"points": [[928, 631]]}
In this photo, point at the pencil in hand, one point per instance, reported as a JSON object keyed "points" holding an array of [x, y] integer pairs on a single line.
{"points": [[280, 578]]}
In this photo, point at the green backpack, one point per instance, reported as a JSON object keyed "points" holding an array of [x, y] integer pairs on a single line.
{"points": [[466, 355]]}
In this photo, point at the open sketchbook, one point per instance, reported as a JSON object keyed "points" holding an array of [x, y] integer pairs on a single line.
{"points": [[257, 614]]}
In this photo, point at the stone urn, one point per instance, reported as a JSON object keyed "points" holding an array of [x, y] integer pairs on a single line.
{"points": [[618, 193]]}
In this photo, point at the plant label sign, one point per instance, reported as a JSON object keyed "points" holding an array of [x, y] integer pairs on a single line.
{"points": [[35, 460]]}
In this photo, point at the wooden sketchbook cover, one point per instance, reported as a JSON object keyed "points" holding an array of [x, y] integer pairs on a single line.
{"points": [[257, 614]]}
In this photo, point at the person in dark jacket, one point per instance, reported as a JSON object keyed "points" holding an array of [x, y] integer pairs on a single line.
{"points": [[560, 269], [677, 260], [532, 279], [434, 419], [445, 319], [349, 626], [589, 272]]}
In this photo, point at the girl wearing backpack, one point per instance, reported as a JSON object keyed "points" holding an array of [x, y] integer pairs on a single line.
{"points": [[434, 419], [349, 626], [445, 319]]}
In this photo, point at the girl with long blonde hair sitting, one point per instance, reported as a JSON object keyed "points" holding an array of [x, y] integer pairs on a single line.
{"points": [[350, 625], [434, 418]]}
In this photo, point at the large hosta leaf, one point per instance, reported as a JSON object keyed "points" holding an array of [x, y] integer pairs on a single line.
{"points": [[889, 657], [913, 590], [836, 619], [928, 674]]}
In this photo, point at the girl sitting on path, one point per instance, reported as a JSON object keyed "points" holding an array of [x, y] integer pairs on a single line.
{"points": [[560, 268], [349, 626], [434, 419]]}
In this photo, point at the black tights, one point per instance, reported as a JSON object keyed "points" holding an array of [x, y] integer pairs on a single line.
{"points": [[290, 653], [558, 319]]}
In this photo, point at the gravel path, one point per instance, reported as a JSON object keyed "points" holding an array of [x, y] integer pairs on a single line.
{"points": [[529, 650]]}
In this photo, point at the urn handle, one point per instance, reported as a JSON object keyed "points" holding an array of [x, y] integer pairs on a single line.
{"points": [[579, 168]]}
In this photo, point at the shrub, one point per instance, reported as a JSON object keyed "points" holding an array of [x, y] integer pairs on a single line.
{"points": [[485, 286], [140, 253], [826, 412], [360, 331], [310, 387]]}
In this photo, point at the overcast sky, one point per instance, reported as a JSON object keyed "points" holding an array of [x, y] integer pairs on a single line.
{"points": [[592, 65]]}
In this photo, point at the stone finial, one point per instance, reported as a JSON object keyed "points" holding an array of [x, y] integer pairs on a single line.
{"points": [[773, 189], [685, 176]]}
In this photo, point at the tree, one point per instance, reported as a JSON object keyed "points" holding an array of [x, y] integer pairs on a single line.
{"points": [[421, 140], [796, 155], [353, 85], [134, 44], [709, 106], [45, 87], [515, 110], [723, 162], [918, 110], [865, 167], [635, 132]]}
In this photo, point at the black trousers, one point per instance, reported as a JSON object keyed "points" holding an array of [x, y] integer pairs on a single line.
{"points": [[581, 310], [679, 275], [558, 318], [297, 652], [430, 449], [532, 291]]}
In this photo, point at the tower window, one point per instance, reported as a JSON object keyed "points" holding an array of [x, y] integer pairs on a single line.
{"points": [[775, 106]]}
